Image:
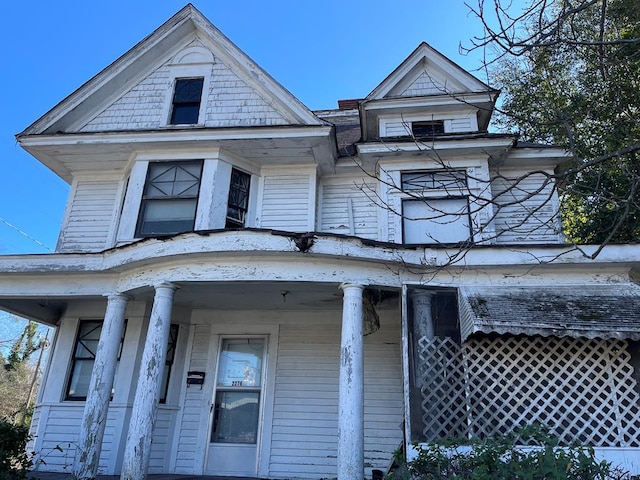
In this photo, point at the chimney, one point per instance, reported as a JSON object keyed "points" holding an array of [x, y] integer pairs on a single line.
{"points": [[348, 104]]}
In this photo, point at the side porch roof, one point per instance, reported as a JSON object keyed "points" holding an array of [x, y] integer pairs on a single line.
{"points": [[591, 311]]}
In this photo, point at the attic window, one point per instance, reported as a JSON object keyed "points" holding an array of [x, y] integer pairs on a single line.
{"points": [[427, 128], [186, 101]]}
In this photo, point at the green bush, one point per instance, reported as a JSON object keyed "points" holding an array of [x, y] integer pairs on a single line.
{"points": [[14, 460], [504, 458]]}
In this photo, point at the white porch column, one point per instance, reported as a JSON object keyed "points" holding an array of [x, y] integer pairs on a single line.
{"points": [[145, 404], [100, 385], [351, 407], [422, 319]]}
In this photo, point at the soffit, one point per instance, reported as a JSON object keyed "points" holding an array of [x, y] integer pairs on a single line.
{"points": [[69, 155], [591, 311]]}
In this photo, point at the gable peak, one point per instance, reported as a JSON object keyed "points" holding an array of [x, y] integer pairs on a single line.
{"points": [[425, 72]]}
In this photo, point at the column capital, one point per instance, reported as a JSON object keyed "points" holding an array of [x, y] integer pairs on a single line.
{"points": [[349, 285], [117, 296], [163, 285]]}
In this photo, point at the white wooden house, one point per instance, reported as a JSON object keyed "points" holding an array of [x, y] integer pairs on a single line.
{"points": [[245, 287]]}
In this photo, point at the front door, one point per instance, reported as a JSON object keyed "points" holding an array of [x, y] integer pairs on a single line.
{"points": [[237, 399]]}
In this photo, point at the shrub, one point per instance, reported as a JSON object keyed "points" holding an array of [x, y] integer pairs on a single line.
{"points": [[504, 458], [14, 460]]}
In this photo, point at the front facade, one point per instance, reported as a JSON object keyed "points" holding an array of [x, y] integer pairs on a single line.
{"points": [[244, 287]]}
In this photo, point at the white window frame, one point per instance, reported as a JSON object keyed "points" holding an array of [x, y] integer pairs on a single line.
{"points": [[386, 121], [212, 196], [391, 195], [185, 72]]}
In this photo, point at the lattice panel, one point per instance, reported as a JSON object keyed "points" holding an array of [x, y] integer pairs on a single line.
{"points": [[583, 389]]}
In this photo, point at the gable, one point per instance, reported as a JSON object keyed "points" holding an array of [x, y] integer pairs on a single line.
{"points": [[427, 72], [188, 41], [229, 100]]}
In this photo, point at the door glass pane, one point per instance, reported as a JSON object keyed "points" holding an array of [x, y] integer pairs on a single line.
{"points": [[241, 362], [235, 417]]}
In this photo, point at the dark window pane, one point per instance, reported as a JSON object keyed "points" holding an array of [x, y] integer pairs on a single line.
{"points": [[238, 199], [236, 417], [186, 101], [422, 129], [185, 114], [171, 352], [434, 180], [84, 355]]}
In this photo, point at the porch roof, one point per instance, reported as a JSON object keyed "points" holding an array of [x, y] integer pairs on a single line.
{"points": [[591, 311]]}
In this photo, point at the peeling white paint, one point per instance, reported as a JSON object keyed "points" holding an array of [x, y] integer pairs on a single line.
{"points": [[351, 387]]}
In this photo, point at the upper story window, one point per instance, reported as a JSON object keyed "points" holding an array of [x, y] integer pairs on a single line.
{"points": [[434, 180], [186, 101], [170, 198], [437, 210], [428, 128], [238, 202]]}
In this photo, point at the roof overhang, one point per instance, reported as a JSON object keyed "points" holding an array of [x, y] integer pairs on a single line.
{"points": [[84, 153], [480, 103], [591, 311], [493, 146]]}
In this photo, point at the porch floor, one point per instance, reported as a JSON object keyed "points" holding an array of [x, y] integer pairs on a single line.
{"points": [[167, 476]]}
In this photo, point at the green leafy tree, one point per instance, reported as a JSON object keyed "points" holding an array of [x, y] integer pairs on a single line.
{"points": [[19, 374], [569, 71]]}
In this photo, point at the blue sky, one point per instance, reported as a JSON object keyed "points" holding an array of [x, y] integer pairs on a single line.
{"points": [[320, 51]]}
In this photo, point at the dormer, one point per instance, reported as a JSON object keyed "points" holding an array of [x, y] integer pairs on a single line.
{"points": [[428, 95]]}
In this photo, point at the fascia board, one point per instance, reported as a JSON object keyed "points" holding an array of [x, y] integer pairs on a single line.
{"points": [[467, 144], [170, 135], [455, 99]]}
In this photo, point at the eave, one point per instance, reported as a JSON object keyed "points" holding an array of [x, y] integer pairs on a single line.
{"points": [[490, 145], [85, 153]]}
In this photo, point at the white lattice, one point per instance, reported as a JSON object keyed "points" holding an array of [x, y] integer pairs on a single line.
{"points": [[583, 389]]}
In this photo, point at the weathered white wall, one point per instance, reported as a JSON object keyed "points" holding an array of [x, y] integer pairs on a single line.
{"points": [[347, 206], [305, 428], [229, 101], [401, 125], [525, 210], [287, 200], [90, 215]]}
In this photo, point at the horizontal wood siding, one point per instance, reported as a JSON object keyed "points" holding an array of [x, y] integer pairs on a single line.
{"points": [[459, 125], [305, 425], [397, 129], [338, 196], [285, 203], [58, 436], [402, 127], [58, 430], [161, 441], [90, 216], [194, 411], [524, 214]]}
